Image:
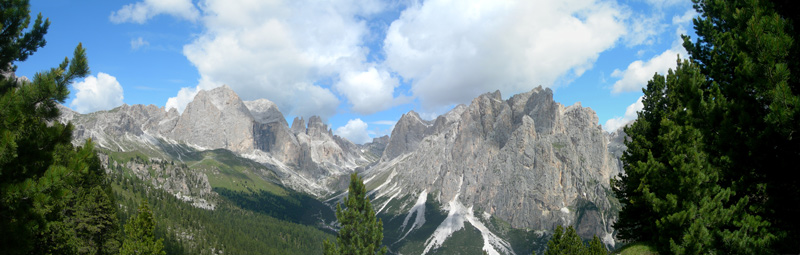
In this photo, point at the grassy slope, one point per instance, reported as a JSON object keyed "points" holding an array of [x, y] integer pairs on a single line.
{"points": [[235, 226], [636, 249]]}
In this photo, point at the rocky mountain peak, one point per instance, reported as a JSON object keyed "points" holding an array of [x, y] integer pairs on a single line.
{"points": [[407, 133], [298, 125], [527, 160], [217, 118], [265, 111], [316, 128]]}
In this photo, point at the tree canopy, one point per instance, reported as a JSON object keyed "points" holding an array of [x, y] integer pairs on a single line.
{"points": [[140, 234], [361, 232], [711, 159], [569, 243], [54, 197]]}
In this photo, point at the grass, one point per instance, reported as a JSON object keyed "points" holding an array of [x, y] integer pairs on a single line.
{"points": [[636, 249], [235, 173]]}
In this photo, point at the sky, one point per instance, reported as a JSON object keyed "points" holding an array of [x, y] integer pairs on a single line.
{"points": [[361, 64]]}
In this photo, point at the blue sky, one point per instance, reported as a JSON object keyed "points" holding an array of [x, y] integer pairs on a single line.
{"points": [[362, 64]]}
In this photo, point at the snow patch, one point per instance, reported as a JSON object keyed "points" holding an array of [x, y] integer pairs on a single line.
{"points": [[396, 192], [419, 209], [564, 210], [490, 240], [487, 216], [456, 217], [608, 239], [454, 222], [388, 180]]}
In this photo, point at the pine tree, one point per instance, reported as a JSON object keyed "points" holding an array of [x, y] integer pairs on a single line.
{"points": [[554, 245], [46, 184], [749, 50], [140, 234], [569, 243], [708, 157], [361, 232], [596, 247]]}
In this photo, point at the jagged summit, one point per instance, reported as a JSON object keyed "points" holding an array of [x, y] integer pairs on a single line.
{"points": [[219, 119], [265, 111], [527, 160]]}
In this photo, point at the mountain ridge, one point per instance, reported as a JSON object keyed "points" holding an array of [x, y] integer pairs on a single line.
{"points": [[527, 160]]}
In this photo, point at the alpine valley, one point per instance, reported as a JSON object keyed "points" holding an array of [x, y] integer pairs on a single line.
{"points": [[228, 176]]}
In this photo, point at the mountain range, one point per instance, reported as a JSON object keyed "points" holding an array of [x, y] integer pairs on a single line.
{"points": [[495, 175]]}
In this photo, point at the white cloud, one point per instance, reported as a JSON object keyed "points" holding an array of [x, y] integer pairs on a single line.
{"points": [[370, 91], [686, 18], [355, 131], [452, 52], [638, 73], [644, 29], [282, 50], [184, 97], [138, 43], [140, 12], [385, 122], [97, 93], [630, 115]]}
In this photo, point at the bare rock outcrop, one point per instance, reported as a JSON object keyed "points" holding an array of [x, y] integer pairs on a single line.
{"points": [[216, 119], [527, 160]]}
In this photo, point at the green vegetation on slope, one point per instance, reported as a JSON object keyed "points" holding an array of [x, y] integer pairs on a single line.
{"points": [[636, 249], [227, 229]]}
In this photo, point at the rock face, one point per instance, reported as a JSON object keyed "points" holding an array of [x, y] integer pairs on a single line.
{"points": [[406, 135], [377, 146], [527, 160], [307, 157]]}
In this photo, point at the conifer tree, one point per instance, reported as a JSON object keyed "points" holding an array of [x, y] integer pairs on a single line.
{"points": [[596, 247], [140, 234], [54, 198], [569, 243], [708, 159], [361, 232]]}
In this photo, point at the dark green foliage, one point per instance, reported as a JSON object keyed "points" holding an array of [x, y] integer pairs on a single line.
{"points": [[569, 243], [15, 43], [294, 207], [710, 160], [228, 228], [596, 247], [54, 198], [361, 232], [139, 233]]}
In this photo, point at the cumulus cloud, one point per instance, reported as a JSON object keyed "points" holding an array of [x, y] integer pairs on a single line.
{"points": [[355, 130], [369, 91], [281, 50], [639, 72], [454, 52], [184, 97], [140, 12], [102, 92], [630, 115], [138, 43]]}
